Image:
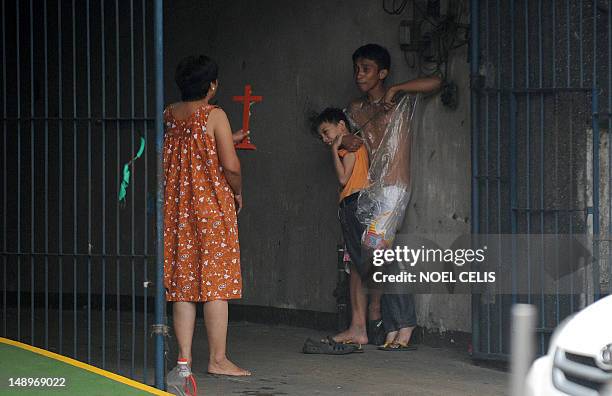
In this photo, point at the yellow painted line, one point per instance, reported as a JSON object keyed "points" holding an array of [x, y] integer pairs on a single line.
{"points": [[85, 366]]}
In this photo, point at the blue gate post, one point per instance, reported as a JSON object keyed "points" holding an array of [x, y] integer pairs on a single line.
{"points": [[595, 126], [474, 71], [159, 132]]}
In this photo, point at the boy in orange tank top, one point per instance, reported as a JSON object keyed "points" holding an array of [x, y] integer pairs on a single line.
{"points": [[352, 172]]}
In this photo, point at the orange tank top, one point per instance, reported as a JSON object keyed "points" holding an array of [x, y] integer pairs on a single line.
{"points": [[359, 178]]}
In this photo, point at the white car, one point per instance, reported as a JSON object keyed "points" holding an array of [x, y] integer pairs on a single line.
{"points": [[579, 358]]}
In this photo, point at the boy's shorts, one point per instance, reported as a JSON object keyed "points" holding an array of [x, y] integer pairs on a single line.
{"points": [[352, 231]]}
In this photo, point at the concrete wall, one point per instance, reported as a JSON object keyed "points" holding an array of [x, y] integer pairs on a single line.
{"points": [[440, 205], [298, 56]]}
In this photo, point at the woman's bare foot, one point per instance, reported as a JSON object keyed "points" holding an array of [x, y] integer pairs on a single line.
{"points": [[226, 367], [355, 335]]}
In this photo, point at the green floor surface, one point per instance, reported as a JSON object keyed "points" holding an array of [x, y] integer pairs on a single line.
{"points": [[20, 363]]}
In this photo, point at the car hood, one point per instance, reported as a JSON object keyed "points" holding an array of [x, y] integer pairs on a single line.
{"points": [[588, 331]]}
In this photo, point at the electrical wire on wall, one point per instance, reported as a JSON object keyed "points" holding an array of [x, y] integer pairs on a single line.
{"points": [[435, 28], [395, 10], [432, 35]]}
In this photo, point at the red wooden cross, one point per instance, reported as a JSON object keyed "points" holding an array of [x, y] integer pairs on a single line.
{"points": [[246, 100]]}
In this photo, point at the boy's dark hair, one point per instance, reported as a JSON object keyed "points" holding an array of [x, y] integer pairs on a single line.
{"points": [[330, 114], [194, 75], [376, 53]]}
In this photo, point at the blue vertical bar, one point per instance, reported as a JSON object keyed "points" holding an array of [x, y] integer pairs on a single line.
{"points": [[159, 136], [103, 82], [542, 160], [32, 172], [74, 180], [498, 298], [513, 190], [4, 189], [18, 67], [32, 179], [60, 190], [146, 191], [571, 132], [89, 244], [567, 36], [46, 182], [132, 225], [528, 205], [475, 226], [557, 201], [595, 126], [554, 85], [486, 171], [117, 229], [571, 190], [580, 47]]}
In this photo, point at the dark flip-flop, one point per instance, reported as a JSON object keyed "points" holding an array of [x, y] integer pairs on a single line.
{"points": [[396, 346], [327, 346], [358, 347]]}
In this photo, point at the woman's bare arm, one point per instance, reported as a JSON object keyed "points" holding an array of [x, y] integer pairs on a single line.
{"points": [[225, 149]]}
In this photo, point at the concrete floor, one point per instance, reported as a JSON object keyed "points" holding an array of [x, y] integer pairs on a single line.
{"points": [[273, 354]]}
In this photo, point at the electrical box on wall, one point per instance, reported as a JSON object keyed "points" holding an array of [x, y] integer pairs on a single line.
{"points": [[410, 36], [438, 8], [427, 36]]}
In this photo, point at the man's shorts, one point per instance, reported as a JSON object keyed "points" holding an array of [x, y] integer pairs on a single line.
{"points": [[352, 231], [387, 206]]}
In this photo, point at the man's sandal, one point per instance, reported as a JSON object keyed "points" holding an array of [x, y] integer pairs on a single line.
{"points": [[397, 346]]}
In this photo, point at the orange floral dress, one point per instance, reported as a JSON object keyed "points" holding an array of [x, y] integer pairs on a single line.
{"points": [[201, 250]]}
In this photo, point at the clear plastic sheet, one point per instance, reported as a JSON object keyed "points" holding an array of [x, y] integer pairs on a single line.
{"points": [[382, 205]]}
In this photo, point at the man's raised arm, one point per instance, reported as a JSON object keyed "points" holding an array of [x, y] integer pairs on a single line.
{"points": [[418, 85]]}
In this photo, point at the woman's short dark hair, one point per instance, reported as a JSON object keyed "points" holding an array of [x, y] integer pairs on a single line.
{"points": [[194, 75]]}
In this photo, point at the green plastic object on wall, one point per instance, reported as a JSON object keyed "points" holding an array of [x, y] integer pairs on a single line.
{"points": [[125, 181]]}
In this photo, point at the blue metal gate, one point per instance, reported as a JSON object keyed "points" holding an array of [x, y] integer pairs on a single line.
{"points": [[81, 83], [541, 159]]}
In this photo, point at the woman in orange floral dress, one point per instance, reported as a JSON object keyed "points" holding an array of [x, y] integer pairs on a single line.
{"points": [[202, 197]]}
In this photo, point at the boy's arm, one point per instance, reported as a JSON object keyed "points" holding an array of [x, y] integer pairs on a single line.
{"points": [[351, 143], [419, 85], [344, 167]]}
